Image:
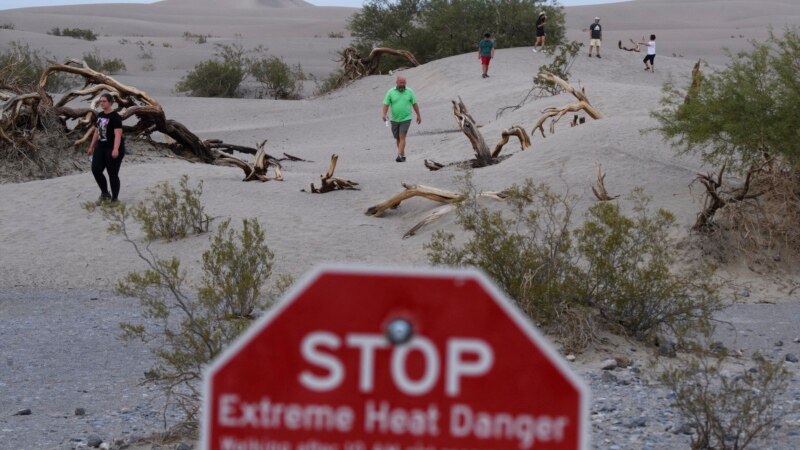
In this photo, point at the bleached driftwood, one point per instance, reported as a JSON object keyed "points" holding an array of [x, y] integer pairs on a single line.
{"points": [[516, 130], [600, 189], [258, 169], [467, 124], [557, 113], [330, 183]]}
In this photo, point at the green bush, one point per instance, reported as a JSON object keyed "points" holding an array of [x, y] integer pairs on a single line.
{"points": [[219, 77], [564, 56], [21, 68], [7, 26], [613, 266], [164, 214], [743, 113], [169, 214], [212, 79], [727, 410], [105, 65], [77, 33], [333, 81], [192, 330], [433, 29], [626, 273], [280, 80]]}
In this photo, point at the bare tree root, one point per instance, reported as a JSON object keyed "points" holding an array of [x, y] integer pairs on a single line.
{"points": [[25, 115], [557, 113], [717, 197], [600, 189], [330, 183], [354, 67], [256, 171]]}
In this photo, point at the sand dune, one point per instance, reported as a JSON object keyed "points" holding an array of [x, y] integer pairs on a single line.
{"points": [[49, 241]]}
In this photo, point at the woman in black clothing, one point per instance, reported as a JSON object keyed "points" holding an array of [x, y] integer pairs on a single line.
{"points": [[540, 34], [107, 148]]}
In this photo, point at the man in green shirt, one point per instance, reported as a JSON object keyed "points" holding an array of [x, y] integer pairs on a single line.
{"points": [[401, 100]]}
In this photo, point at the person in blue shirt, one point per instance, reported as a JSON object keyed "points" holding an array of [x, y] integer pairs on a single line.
{"points": [[486, 52]]}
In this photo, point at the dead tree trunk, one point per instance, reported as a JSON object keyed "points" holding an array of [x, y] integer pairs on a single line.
{"points": [[22, 115], [697, 80], [354, 67], [330, 183], [470, 128]]}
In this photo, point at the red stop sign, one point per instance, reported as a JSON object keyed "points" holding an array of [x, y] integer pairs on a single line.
{"points": [[356, 359]]}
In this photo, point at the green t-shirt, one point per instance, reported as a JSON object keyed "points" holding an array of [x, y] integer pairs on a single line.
{"points": [[400, 103], [486, 46]]}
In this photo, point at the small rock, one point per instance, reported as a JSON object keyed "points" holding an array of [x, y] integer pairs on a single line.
{"points": [[753, 370], [24, 412], [93, 440], [80, 412], [638, 423], [183, 446], [668, 349], [797, 340], [719, 348], [570, 357], [779, 344], [745, 293], [609, 364], [622, 361], [608, 377], [790, 357]]}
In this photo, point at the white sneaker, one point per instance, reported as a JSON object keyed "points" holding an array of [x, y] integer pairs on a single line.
{"points": [[534, 50]]}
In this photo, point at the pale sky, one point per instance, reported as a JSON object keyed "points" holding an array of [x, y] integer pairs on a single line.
{"points": [[10, 4]]}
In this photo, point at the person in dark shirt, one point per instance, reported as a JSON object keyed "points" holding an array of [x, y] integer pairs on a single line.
{"points": [[540, 34], [595, 36], [486, 52], [107, 149]]}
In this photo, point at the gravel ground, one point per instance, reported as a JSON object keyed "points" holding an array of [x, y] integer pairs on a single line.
{"points": [[60, 353]]}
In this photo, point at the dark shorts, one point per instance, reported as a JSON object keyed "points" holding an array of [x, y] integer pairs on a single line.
{"points": [[485, 60], [399, 128], [540, 32], [650, 58]]}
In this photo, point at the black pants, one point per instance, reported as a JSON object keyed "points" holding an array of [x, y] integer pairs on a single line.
{"points": [[101, 161]]}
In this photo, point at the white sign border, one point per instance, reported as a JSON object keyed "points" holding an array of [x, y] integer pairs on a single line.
{"points": [[522, 321]]}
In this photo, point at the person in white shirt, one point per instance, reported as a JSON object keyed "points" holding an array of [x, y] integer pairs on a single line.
{"points": [[649, 60]]}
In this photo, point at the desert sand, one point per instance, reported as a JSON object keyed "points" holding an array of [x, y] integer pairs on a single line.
{"points": [[49, 243]]}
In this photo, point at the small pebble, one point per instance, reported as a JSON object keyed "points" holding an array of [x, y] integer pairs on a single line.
{"points": [[790, 357], [608, 364], [80, 412], [24, 412]]}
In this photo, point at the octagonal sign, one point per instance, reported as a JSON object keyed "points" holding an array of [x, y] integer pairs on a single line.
{"points": [[368, 359]]}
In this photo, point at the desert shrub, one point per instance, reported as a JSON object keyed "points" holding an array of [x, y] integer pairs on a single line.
{"points": [[330, 83], [77, 33], [166, 45], [742, 117], [336, 35], [194, 329], [433, 29], [7, 26], [144, 52], [727, 410], [564, 56], [280, 80], [105, 65], [221, 76], [626, 274], [563, 278], [148, 67], [165, 213], [169, 214], [21, 67], [199, 38]]}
